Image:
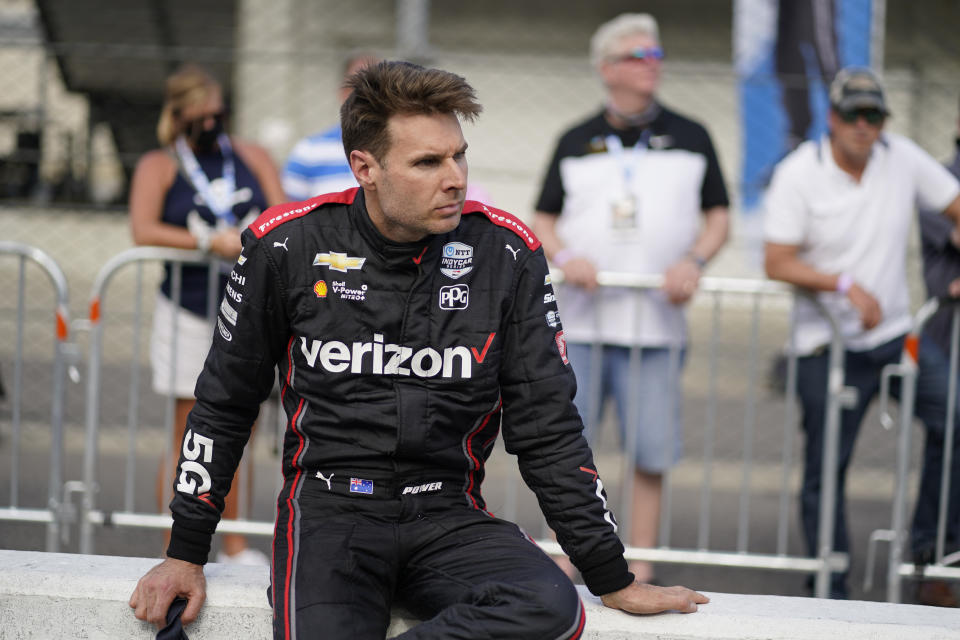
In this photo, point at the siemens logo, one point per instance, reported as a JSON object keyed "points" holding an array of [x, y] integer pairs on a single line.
{"points": [[379, 358]]}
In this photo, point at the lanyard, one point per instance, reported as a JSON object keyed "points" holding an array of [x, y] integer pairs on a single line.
{"points": [[220, 204], [615, 146]]}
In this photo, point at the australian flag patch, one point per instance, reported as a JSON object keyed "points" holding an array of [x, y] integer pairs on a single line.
{"points": [[358, 485]]}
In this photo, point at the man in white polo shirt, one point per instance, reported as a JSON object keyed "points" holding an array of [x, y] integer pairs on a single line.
{"points": [[838, 214]]}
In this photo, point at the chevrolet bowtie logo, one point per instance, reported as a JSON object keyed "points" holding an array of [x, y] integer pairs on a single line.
{"points": [[338, 261]]}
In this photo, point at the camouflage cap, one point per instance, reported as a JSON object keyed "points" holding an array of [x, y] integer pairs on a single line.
{"points": [[857, 88]]}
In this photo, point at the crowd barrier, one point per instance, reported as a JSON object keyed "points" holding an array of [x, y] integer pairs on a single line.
{"points": [[897, 535], [755, 297], [96, 512], [126, 515], [63, 356], [762, 302]]}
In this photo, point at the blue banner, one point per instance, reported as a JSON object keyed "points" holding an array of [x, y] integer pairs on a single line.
{"points": [[786, 52]]}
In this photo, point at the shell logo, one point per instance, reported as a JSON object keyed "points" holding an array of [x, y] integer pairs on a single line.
{"points": [[320, 288]]}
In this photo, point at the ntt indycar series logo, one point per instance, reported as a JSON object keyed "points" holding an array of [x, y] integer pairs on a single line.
{"points": [[388, 359], [456, 259]]}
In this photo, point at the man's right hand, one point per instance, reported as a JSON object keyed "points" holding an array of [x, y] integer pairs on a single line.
{"points": [[580, 272], [867, 305], [954, 288], [162, 584]]}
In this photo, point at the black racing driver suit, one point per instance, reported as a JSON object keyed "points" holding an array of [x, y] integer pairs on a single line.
{"points": [[398, 365]]}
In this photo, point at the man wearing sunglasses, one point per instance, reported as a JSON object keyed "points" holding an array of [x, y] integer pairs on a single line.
{"points": [[636, 188], [837, 217]]}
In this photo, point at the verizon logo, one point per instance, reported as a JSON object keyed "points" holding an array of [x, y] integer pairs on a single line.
{"points": [[380, 358]]}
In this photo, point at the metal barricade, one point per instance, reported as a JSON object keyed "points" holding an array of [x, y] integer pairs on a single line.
{"points": [[63, 356], [700, 551], [897, 535], [126, 514], [502, 480]]}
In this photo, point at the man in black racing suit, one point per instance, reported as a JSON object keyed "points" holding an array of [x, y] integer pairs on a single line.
{"points": [[408, 327]]}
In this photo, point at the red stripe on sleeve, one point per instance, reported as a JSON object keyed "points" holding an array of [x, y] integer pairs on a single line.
{"points": [[277, 215], [503, 219]]}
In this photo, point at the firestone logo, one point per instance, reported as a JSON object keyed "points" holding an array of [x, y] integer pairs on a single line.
{"points": [[286, 214], [513, 224]]}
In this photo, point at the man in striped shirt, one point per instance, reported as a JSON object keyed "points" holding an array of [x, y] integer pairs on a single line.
{"points": [[317, 163]]}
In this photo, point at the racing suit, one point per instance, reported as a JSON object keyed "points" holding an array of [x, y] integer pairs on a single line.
{"points": [[398, 366]]}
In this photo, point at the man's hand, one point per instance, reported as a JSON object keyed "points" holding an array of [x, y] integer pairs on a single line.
{"points": [[647, 598], [680, 281], [867, 305], [163, 583], [954, 288], [580, 272]]}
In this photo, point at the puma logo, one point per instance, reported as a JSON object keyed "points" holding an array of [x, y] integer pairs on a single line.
{"points": [[512, 250], [320, 475], [282, 244]]}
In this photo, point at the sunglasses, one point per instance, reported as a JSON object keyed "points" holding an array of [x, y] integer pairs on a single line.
{"points": [[640, 53], [872, 116]]}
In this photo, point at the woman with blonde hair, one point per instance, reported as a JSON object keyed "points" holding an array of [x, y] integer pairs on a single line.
{"points": [[198, 191]]}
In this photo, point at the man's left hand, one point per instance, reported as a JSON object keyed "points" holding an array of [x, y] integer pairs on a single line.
{"points": [[647, 598], [680, 281], [954, 288]]}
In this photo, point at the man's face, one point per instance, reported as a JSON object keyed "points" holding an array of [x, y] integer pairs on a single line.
{"points": [[418, 188], [633, 65], [855, 131]]}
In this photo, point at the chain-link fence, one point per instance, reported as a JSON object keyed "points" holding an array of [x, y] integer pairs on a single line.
{"points": [[83, 78], [81, 89]]}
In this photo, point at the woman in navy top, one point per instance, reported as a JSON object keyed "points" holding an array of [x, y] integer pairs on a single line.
{"points": [[198, 191]]}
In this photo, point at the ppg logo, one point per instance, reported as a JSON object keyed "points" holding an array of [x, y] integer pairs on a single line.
{"points": [[454, 297]]}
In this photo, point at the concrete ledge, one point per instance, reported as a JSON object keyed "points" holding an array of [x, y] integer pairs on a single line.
{"points": [[56, 595]]}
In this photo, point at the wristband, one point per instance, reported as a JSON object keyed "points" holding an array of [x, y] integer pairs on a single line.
{"points": [[563, 256], [204, 240], [844, 282], [700, 262]]}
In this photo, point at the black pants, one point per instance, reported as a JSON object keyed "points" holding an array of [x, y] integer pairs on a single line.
{"points": [[806, 34], [341, 561], [862, 371]]}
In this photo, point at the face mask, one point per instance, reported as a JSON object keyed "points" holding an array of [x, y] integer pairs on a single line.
{"points": [[204, 140]]}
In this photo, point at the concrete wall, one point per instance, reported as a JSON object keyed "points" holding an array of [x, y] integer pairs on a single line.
{"points": [[53, 596]]}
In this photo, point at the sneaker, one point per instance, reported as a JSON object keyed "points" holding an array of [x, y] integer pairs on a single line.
{"points": [[936, 593], [251, 557]]}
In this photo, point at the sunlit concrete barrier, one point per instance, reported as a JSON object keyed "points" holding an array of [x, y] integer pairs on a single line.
{"points": [[55, 595]]}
